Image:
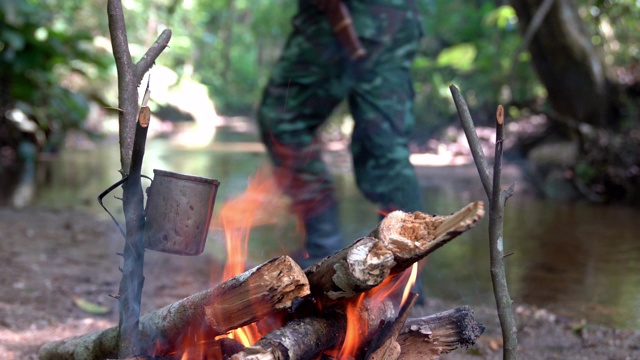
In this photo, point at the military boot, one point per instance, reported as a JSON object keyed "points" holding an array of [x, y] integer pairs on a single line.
{"points": [[322, 235]]}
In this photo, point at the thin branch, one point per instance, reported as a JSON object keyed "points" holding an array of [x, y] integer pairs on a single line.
{"points": [[497, 199], [127, 86], [147, 61], [532, 29], [129, 77], [534, 25], [496, 240], [474, 143]]}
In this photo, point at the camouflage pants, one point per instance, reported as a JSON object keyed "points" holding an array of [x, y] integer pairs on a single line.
{"points": [[313, 75]]}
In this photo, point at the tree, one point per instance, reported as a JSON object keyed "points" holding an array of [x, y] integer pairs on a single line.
{"points": [[568, 64], [589, 103]]}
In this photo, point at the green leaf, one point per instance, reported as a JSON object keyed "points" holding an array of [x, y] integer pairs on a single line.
{"points": [[88, 306], [502, 17], [459, 57]]}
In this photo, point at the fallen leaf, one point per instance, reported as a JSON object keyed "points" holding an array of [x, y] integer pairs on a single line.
{"points": [[495, 344], [90, 307]]}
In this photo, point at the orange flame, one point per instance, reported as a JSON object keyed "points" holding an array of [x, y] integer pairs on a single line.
{"points": [[254, 207], [391, 285], [357, 327], [411, 281]]}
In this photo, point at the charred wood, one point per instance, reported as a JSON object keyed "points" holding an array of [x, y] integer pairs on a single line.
{"points": [[431, 336], [308, 337]]}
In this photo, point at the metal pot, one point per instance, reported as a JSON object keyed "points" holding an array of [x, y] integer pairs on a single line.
{"points": [[178, 212]]}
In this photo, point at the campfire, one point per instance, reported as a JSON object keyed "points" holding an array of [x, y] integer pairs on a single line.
{"points": [[354, 304]]}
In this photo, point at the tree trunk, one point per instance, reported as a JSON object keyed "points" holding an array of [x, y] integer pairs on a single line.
{"points": [[567, 63]]}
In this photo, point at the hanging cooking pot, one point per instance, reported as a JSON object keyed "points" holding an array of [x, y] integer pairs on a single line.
{"points": [[178, 212]]}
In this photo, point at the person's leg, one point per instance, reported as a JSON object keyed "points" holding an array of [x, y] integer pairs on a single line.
{"points": [[382, 106], [304, 88]]}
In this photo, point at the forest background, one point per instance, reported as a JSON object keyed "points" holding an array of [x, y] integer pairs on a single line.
{"points": [[56, 63]]}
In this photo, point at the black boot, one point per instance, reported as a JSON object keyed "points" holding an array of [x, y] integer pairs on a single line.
{"points": [[323, 235]]}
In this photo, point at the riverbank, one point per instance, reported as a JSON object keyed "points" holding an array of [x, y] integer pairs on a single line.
{"points": [[52, 258]]}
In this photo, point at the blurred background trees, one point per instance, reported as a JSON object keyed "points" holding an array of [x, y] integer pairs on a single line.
{"points": [[56, 66]]}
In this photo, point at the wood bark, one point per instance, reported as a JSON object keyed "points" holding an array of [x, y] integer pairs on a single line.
{"points": [[130, 291], [400, 240], [264, 290], [569, 66]]}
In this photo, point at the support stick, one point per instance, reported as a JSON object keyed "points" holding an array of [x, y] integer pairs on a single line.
{"points": [[132, 142], [497, 198]]}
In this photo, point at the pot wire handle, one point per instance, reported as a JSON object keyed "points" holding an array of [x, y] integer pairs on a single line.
{"points": [[110, 189]]}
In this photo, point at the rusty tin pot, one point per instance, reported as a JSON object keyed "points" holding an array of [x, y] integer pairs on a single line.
{"points": [[178, 212]]}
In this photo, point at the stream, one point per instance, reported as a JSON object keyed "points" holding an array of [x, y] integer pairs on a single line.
{"points": [[575, 259]]}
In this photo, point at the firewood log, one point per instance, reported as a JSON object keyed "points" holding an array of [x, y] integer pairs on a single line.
{"points": [[400, 240], [307, 337], [419, 338], [266, 289], [431, 336]]}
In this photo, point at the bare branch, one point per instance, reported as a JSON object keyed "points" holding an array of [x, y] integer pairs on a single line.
{"points": [[496, 240], [152, 54], [133, 134], [497, 199], [119, 41], [534, 25], [474, 143]]}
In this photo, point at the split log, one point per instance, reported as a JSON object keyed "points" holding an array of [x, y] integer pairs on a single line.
{"points": [[385, 345], [431, 336], [400, 240], [264, 290], [307, 337], [419, 338]]}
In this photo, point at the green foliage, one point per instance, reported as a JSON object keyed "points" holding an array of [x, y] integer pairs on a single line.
{"points": [[48, 52], [472, 46], [459, 57], [615, 28], [40, 64], [242, 40]]}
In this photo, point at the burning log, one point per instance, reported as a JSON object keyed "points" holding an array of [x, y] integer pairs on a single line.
{"points": [[400, 240], [417, 338], [306, 337], [431, 336], [385, 345], [266, 289]]}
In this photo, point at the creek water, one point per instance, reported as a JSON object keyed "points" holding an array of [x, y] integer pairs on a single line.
{"points": [[574, 259]]}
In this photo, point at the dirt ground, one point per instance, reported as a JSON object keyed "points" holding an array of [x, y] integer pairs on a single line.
{"points": [[49, 258]]}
